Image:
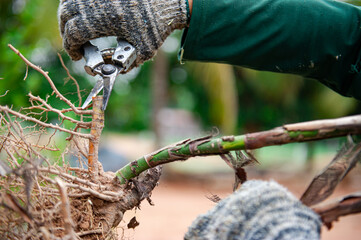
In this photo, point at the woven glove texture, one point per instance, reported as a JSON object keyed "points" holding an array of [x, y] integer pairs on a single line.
{"points": [[259, 210], [143, 23]]}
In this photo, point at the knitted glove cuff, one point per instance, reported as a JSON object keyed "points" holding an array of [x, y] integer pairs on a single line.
{"points": [[259, 210], [143, 23]]}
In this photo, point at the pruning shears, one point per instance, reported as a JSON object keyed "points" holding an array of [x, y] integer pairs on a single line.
{"points": [[107, 63]]}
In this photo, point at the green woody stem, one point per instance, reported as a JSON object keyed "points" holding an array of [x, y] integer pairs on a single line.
{"points": [[299, 132]]}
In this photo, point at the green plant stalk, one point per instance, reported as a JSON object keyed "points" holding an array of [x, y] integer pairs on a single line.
{"points": [[209, 145]]}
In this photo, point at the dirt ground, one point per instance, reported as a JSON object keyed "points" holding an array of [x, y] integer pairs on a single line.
{"points": [[178, 202], [184, 187]]}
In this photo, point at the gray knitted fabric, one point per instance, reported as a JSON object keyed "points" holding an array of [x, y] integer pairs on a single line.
{"points": [[143, 23], [259, 210]]}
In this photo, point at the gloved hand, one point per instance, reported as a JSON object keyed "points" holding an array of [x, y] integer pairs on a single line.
{"points": [[258, 210], [143, 23]]}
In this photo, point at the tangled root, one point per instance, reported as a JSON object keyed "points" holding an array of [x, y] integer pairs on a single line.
{"points": [[33, 207]]}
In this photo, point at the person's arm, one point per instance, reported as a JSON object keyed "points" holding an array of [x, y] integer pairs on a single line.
{"points": [[143, 23], [318, 39]]}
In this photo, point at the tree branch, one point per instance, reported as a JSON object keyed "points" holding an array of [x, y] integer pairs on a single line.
{"points": [[324, 184], [300, 132], [331, 211]]}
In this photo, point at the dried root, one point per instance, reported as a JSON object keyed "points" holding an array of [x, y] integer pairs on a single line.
{"points": [[41, 195]]}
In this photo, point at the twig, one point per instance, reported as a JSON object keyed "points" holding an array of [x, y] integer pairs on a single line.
{"points": [[46, 125], [51, 109], [27, 145], [79, 148], [4, 93], [46, 75], [84, 112], [336, 208], [26, 73], [109, 196], [301, 132], [14, 160], [7, 138], [69, 177], [65, 209], [79, 195], [20, 135], [45, 233], [43, 147], [76, 169], [95, 231], [72, 78], [12, 202]]}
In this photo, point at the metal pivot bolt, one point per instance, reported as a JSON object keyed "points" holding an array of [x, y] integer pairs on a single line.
{"points": [[108, 69], [119, 60]]}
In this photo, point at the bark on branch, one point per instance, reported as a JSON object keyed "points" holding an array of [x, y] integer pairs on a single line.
{"points": [[95, 132], [299, 132], [331, 211]]}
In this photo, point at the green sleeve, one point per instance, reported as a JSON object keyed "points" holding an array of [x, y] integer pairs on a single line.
{"points": [[318, 39]]}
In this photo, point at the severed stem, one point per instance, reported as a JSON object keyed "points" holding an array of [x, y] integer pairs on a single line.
{"points": [[95, 132]]}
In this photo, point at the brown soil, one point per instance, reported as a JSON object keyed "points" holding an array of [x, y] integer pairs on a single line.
{"points": [[178, 203]]}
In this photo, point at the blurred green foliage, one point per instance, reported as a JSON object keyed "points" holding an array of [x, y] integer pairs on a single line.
{"points": [[249, 100], [30, 26]]}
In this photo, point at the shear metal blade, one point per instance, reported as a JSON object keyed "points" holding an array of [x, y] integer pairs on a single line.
{"points": [[97, 88], [108, 82]]}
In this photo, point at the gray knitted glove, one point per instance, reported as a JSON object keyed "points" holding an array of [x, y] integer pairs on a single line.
{"points": [[259, 210], [143, 23]]}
